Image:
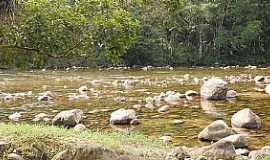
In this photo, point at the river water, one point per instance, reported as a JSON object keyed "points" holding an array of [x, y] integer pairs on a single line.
{"points": [[113, 89]]}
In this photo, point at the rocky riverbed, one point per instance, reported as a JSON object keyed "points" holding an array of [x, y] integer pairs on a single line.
{"points": [[222, 112]]}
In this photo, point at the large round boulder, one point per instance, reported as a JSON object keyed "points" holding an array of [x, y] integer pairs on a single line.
{"points": [[214, 89], [123, 117], [245, 118], [215, 131], [68, 118]]}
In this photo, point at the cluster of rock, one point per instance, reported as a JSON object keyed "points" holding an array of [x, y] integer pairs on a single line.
{"points": [[228, 143]]}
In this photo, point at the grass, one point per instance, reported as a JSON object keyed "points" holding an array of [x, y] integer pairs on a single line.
{"points": [[54, 139]]}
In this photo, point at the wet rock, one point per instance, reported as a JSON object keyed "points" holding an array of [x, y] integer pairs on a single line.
{"points": [[265, 151], [191, 93], [242, 151], [214, 89], [178, 153], [231, 94], [259, 79], [123, 116], [215, 131], [15, 117], [163, 109], [238, 140], [219, 150], [68, 118], [267, 89], [245, 118], [14, 156], [80, 128], [86, 152]]}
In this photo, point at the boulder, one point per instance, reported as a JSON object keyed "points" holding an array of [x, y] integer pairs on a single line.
{"points": [[214, 89], [238, 140], [68, 118], [85, 152], [215, 131], [245, 118], [231, 94], [219, 150], [123, 117], [265, 151]]}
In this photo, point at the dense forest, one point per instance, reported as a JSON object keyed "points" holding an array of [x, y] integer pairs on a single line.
{"points": [[60, 33]]}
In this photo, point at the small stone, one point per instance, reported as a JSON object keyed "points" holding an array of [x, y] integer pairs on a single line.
{"points": [[242, 151], [177, 121], [231, 94], [191, 93], [15, 116], [163, 109], [80, 128]]}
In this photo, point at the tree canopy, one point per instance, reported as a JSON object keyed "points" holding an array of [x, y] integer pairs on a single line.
{"points": [[35, 33]]}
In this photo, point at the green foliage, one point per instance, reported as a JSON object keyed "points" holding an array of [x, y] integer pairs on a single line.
{"points": [[152, 32]]}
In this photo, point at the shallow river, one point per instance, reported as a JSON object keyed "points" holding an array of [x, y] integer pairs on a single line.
{"points": [[110, 90]]}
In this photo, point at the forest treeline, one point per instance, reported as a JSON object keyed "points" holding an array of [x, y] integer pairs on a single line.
{"points": [[58, 33]]}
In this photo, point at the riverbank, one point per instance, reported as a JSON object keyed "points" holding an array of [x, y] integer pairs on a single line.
{"points": [[30, 139]]}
